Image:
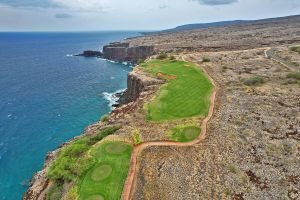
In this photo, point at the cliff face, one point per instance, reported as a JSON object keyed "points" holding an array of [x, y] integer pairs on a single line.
{"points": [[138, 82], [123, 52]]}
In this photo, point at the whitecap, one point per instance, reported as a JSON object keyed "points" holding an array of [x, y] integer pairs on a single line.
{"points": [[112, 98], [69, 55]]}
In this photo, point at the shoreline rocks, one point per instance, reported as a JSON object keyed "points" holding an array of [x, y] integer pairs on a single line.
{"points": [[91, 53]]}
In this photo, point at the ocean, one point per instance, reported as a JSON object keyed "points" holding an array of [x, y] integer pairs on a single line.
{"points": [[48, 96]]}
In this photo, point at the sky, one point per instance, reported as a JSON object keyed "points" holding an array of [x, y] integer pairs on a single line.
{"points": [[97, 15]]}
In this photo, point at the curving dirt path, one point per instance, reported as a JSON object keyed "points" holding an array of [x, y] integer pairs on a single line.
{"points": [[130, 181]]}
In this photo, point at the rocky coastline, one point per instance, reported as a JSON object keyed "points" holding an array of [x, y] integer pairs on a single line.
{"points": [[137, 84]]}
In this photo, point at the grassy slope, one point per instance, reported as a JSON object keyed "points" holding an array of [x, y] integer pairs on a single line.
{"points": [[187, 95], [111, 187]]}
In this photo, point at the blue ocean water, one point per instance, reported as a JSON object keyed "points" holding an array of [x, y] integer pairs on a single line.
{"points": [[48, 97]]}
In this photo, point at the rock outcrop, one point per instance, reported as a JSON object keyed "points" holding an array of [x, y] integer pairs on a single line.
{"points": [[137, 82], [124, 52], [90, 53]]}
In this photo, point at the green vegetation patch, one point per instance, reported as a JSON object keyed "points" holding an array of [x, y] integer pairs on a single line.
{"points": [[205, 59], [162, 56], [294, 78], [73, 159], [184, 133], [107, 177], [254, 81], [55, 192], [186, 93], [294, 75], [295, 49]]}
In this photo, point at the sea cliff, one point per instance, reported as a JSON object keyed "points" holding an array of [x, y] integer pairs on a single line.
{"points": [[122, 51]]}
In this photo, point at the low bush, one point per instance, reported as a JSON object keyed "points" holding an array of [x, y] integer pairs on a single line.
{"points": [[136, 137], [252, 81], [140, 61], [162, 56], [104, 118], [205, 59], [172, 58], [294, 75], [55, 192], [72, 160], [295, 49]]}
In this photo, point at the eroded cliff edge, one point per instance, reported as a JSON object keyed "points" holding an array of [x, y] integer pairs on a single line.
{"points": [[124, 52]]}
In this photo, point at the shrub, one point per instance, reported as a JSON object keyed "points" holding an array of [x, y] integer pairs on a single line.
{"points": [[295, 49], [136, 137], [162, 56], [72, 160], [105, 118], [224, 68], [205, 59], [140, 61], [294, 75], [256, 80], [55, 192], [72, 194], [232, 169]]}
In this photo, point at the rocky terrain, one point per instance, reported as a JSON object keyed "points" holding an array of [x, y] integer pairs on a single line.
{"points": [[236, 37], [252, 148]]}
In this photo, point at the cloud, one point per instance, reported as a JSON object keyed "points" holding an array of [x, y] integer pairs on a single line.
{"points": [[74, 5], [63, 16], [29, 3], [163, 6], [84, 5], [216, 2]]}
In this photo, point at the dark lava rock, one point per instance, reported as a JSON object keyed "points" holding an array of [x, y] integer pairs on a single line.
{"points": [[90, 53]]}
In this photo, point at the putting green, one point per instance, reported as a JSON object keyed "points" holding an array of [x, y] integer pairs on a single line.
{"points": [[184, 133], [95, 197], [105, 180], [116, 148], [100, 173], [184, 95]]}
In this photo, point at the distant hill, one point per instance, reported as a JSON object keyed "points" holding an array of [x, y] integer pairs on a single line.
{"points": [[213, 24]]}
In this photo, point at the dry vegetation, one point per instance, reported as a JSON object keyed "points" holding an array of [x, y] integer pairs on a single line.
{"points": [[252, 146]]}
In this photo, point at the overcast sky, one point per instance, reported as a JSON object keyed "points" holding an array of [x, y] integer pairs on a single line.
{"points": [[70, 15]]}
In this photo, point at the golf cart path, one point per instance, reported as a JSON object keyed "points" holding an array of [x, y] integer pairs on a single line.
{"points": [[130, 181]]}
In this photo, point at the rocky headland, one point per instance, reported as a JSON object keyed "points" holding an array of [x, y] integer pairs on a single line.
{"points": [[251, 149]]}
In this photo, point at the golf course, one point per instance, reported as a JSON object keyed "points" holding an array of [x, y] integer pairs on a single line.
{"points": [[106, 178], [98, 169]]}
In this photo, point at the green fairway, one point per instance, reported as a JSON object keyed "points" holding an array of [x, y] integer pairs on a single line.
{"points": [[105, 180], [184, 133], [186, 93]]}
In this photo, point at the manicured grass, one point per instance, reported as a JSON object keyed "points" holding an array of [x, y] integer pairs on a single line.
{"points": [[184, 133], [186, 93], [105, 180]]}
